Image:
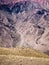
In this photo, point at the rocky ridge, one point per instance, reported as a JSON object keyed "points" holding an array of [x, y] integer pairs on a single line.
{"points": [[25, 24]]}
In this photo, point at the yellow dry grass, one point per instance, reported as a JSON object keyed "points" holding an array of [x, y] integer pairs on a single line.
{"points": [[20, 60], [22, 56], [18, 51]]}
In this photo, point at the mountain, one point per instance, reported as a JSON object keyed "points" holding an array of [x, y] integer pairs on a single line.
{"points": [[5, 8], [20, 6], [25, 6], [27, 25]]}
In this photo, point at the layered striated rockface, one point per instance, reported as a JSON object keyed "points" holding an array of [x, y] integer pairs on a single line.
{"points": [[26, 24]]}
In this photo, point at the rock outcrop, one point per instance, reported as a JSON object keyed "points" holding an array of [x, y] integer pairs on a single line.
{"points": [[25, 24]]}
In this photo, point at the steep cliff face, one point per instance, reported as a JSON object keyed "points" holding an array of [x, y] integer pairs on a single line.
{"points": [[26, 24]]}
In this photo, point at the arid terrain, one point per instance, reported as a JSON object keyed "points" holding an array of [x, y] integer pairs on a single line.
{"points": [[24, 32], [26, 24], [22, 56]]}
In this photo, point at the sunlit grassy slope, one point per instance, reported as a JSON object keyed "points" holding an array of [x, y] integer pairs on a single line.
{"points": [[22, 56], [27, 52]]}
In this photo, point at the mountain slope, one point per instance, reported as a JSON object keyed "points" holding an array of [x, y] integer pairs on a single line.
{"points": [[27, 25]]}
